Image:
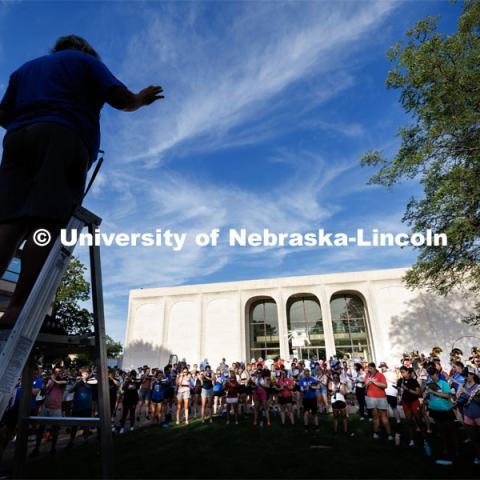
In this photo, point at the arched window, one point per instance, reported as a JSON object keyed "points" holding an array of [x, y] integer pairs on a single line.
{"points": [[304, 320], [263, 328], [350, 326]]}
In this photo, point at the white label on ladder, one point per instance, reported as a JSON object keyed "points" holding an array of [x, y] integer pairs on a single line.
{"points": [[10, 378]]}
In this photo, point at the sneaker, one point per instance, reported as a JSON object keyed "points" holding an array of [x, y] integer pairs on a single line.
{"points": [[399, 422], [411, 443], [131, 429], [352, 434], [211, 420], [476, 461], [376, 436], [122, 430], [370, 419], [362, 419], [177, 423], [390, 438], [236, 422], [228, 422], [269, 424]]}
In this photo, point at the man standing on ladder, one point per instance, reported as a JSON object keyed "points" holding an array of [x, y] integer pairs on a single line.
{"points": [[51, 112]]}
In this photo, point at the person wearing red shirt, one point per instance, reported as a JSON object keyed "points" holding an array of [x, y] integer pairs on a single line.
{"points": [[376, 400], [232, 393], [284, 387]]}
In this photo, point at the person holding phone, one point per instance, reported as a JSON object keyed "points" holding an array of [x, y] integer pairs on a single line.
{"points": [[183, 394]]}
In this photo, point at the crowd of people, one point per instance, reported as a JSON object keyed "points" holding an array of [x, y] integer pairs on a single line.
{"points": [[418, 402]]}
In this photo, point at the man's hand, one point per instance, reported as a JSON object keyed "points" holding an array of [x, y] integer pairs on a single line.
{"points": [[123, 99], [150, 94]]}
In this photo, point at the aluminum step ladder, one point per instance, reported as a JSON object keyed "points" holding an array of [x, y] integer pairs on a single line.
{"points": [[19, 346]]}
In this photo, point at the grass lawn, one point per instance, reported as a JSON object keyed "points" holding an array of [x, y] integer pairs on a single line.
{"points": [[221, 451]]}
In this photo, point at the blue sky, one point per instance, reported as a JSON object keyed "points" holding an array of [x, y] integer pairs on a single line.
{"points": [[269, 107]]}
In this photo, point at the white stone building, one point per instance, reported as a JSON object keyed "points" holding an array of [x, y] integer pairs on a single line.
{"points": [[367, 314]]}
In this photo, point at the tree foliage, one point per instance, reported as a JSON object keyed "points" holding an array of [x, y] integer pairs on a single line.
{"points": [[73, 289], [114, 349], [438, 77]]}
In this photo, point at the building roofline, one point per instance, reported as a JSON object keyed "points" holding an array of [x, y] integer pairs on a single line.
{"points": [[265, 283]]}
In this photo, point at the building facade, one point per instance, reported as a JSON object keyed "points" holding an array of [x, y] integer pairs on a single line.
{"points": [[369, 315]]}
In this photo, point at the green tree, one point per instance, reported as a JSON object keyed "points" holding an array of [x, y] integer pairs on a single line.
{"points": [[438, 77], [114, 349], [73, 289]]}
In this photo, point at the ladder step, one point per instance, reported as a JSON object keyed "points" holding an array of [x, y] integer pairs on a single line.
{"points": [[64, 421]]}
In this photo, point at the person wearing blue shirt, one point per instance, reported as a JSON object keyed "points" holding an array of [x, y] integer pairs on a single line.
{"points": [[309, 386], [457, 379], [51, 112], [82, 401]]}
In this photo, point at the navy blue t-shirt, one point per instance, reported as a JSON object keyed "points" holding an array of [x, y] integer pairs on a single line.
{"points": [[82, 399], [68, 87]]}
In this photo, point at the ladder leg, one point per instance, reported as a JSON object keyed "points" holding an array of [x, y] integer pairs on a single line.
{"points": [[106, 443], [24, 410]]}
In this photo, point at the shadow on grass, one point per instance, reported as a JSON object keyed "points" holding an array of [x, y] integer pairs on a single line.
{"points": [[231, 451]]}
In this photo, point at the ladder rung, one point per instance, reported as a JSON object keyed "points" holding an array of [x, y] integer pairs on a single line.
{"points": [[64, 421]]}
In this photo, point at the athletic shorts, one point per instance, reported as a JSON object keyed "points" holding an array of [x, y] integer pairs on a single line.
{"points": [[260, 395], [339, 405], [218, 393], [207, 392], [392, 401], [158, 399], [473, 422], [323, 389], [144, 394], [412, 407], [183, 395], [42, 174], [50, 412], [285, 400], [441, 416], [232, 400], [310, 405], [380, 403]]}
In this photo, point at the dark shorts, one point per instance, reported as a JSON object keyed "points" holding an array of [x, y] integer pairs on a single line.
{"points": [[339, 405], [441, 416], [42, 173], [144, 394], [285, 400], [392, 401], [310, 405]]}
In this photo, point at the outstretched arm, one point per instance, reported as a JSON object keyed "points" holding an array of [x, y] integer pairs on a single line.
{"points": [[123, 99]]}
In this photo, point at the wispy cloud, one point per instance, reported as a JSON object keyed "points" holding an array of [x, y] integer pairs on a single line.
{"points": [[217, 79]]}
